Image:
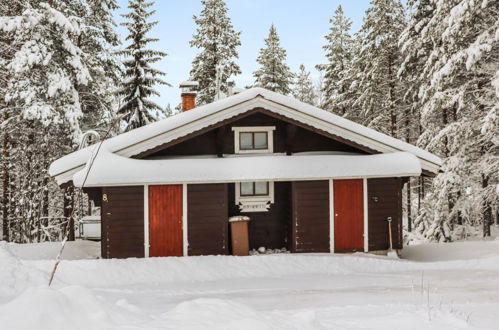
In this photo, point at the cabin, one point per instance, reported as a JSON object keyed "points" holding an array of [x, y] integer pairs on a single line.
{"points": [[309, 181]]}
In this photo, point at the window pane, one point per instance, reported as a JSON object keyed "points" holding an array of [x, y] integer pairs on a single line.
{"points": [[245, 140], [261, 140], [261, 188], [247, 189]]}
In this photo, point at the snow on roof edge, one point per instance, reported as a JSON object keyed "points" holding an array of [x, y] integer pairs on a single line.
{"points": [[112, 169]]}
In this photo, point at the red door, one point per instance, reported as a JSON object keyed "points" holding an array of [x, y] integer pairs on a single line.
{"points": [[165, 221], [348, 215]]}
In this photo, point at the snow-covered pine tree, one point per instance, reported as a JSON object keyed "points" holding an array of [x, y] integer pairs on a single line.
{"points": [[303, 88], [41, 75], [459, 99], [140, 77], [374, 72], [273, 74], [339, 51], [218, 41]]}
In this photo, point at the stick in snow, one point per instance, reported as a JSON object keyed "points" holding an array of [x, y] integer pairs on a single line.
{"points": [[66, 233]]}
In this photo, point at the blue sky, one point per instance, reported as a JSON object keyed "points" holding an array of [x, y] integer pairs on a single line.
{"points": [[301, 25]]}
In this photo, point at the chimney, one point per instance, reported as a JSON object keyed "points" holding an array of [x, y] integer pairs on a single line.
{"points": [[188, 94]]}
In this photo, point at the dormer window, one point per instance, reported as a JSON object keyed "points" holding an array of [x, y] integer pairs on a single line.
{"points": [[256, 139]]}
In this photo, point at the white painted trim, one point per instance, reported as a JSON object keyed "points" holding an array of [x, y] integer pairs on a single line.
{"points": [[146, 220], [366, 216], [185, 242], [248, 129], [331, 216]]}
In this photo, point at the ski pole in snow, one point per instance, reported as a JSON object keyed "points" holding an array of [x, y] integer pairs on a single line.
{"points": [[73, 210]]}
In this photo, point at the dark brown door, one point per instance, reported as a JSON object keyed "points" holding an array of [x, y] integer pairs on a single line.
{"points": [[348, 215], [165, 221]]}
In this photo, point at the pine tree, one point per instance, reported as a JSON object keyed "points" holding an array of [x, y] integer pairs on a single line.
{"points": [[218, 41], [339, 51], [459, 99], [303, 89], [273, 74], [140, 77], [374, 72]]}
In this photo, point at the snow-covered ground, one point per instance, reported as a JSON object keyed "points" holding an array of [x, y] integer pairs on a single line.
{"points": [[436, 286]]}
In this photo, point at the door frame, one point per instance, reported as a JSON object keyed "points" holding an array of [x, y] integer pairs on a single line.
{"points": [[147, 244], [331, 215]]}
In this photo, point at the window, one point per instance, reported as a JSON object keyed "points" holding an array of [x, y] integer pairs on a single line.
{"points": [[254, 196], [254, 189], [253, 139]]}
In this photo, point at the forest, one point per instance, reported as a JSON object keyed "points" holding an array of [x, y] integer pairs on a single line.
{"points": [[423, 71]]}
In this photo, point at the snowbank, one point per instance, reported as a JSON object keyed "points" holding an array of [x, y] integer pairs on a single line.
{"points": [[283, 291], [72, 307]]}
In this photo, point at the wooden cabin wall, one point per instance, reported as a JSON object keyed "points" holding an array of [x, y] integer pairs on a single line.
{"points": [[288, 138], [122, 222], [388, 192], [310, 204], [269, 229], [207, 219]]}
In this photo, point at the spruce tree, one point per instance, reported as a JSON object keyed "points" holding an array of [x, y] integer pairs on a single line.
{"points": [[218, 41], [273, 74], [339, 50], [42, 69], [99, 43], [459, 99], [374, 72], [303, 89], [140, 77]]}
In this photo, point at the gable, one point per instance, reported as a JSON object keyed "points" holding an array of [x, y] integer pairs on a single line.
{"points": [[289, 137], [145, 138]]}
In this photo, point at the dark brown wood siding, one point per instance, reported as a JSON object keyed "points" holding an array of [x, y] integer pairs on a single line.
{"points": [[207, 219], [388, 193], [122, 222], [268, 229], [288, 137], [310, 232]]}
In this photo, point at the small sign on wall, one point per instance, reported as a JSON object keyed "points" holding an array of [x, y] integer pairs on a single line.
{"points": [[254, 206]]}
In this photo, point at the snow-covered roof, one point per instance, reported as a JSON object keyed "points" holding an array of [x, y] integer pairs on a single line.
{"points": [[113, 170], [171, 128]]}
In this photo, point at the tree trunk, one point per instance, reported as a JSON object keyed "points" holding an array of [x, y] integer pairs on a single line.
{"points": [[487, 210], [5, 183]]}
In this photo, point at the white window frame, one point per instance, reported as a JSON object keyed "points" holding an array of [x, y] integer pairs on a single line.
{"points": [[254, 203], [254, 129], [261, 198]]}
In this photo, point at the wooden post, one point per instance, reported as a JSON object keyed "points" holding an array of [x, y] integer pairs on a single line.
{"points": [[69, 204], [409, 215]]}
